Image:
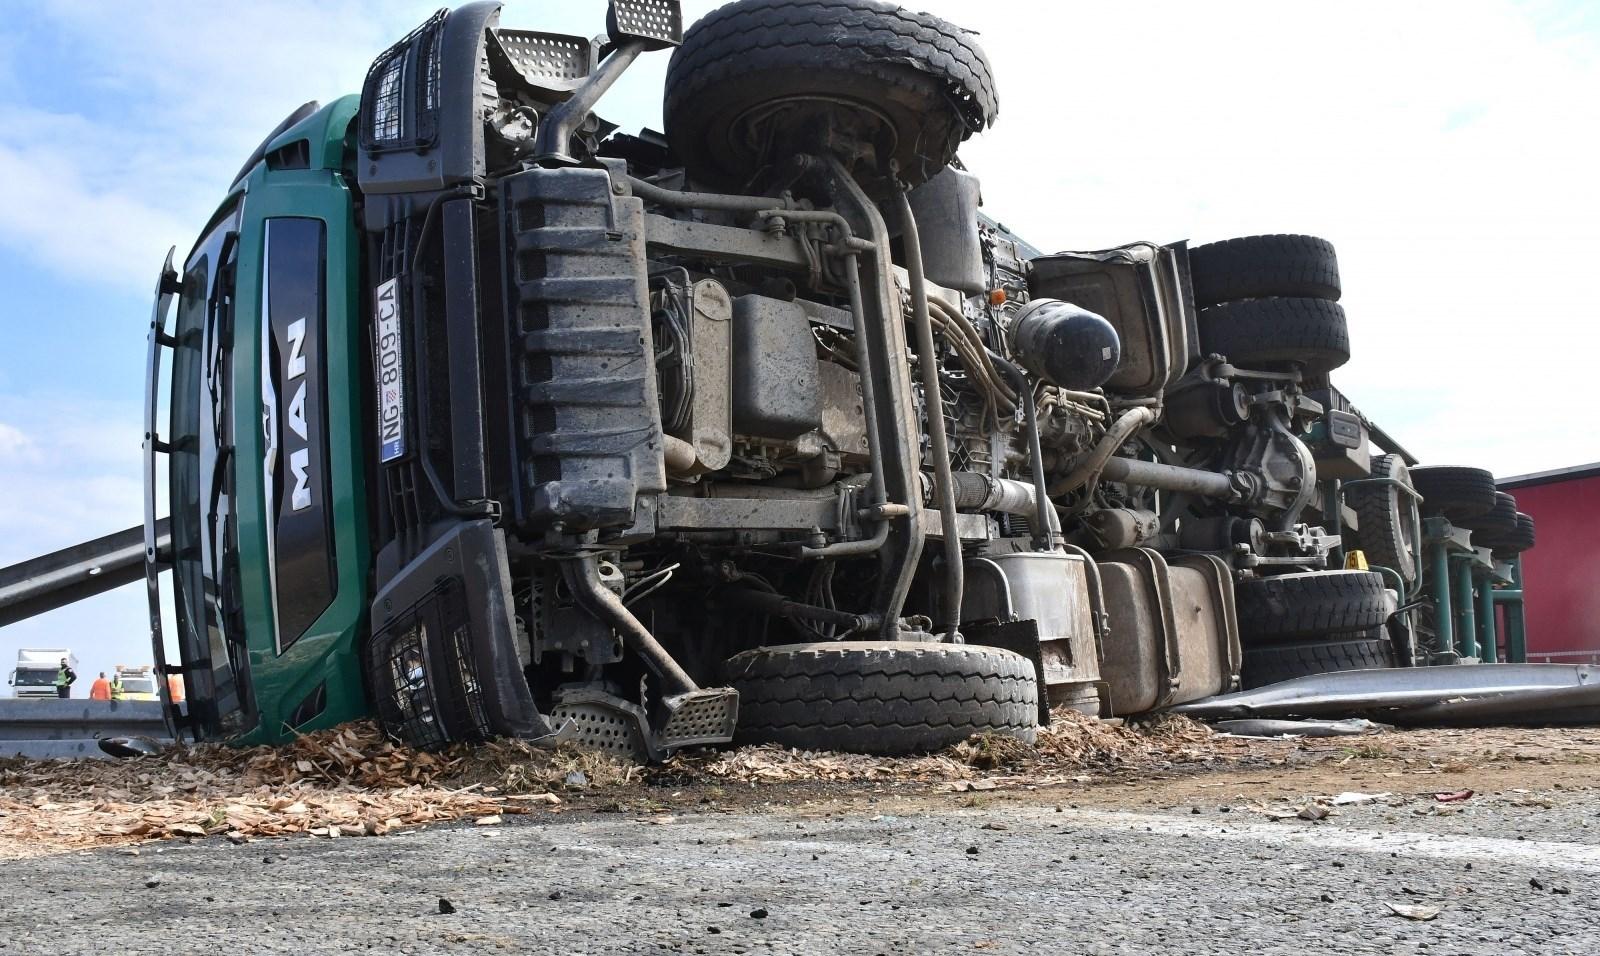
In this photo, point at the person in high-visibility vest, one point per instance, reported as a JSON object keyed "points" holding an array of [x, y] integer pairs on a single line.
{"points": [[65, 678], [175, 687], [116, 686], [101, 688]]}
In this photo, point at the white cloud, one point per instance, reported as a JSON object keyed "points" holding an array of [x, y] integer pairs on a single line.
{"points": [[15, 445], [1446, 150]]}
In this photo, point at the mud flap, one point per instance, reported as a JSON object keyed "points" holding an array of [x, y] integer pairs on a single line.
{"points": [[443, 662]]}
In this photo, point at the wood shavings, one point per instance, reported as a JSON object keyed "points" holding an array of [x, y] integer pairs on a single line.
{"points": [[344, 782]]}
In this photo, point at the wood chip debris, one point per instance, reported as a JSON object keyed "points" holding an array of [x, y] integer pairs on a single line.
{"points": [[352, 781], [1071, 744], [346, 782], [1414, 912]]}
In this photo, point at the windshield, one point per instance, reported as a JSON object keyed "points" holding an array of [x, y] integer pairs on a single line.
{"points": [[34, 678], [204, 537], [138, 685]]}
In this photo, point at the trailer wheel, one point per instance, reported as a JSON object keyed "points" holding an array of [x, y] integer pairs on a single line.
{"points": [[1454, 492], [1494, 524], [1510, 545], [1310, 604], [882, 697], [1387, 518], [1338, 652], [1272, 332], [1254, 267], [757, 81]]}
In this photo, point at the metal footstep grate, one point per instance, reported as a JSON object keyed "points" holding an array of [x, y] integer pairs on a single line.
{"points": [[700, 717], [655, 23], [552, 61]]}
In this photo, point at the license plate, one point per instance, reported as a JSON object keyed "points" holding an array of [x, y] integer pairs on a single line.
{"points": [[389, 367]]}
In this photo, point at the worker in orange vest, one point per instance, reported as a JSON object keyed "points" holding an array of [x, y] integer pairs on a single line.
{"points": [[101, 688], [175, 687]]}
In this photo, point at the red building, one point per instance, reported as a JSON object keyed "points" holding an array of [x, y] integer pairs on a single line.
{"points": [[1561, 575]]}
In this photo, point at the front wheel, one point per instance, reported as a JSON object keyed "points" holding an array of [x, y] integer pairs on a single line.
{"points": [[882, 697], [757, 81]]}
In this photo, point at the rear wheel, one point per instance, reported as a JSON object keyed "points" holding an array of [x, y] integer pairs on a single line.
{"points": [[1272, 663], [1454, 492], [1254, 267], [882, 697], [1268, 333], [1510, 545], [1387, 518], [759, 81], [1494, 524], [1310, 604]]}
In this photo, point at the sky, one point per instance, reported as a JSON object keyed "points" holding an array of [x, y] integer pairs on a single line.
{"points": [[1447, 149]]}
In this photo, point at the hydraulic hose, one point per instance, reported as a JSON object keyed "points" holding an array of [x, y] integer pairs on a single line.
{"points": [[933, 402], [677, 198]]}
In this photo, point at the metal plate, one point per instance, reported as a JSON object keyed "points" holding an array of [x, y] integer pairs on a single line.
{"points": [[701, 717], [555, 62], [656, 23], [601, 726], [389, 368]]}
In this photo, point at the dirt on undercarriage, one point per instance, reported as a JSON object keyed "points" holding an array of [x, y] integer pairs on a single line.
{"points": [[351, 781]]}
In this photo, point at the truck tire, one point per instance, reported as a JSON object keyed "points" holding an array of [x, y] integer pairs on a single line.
{"points": [[1255, 267], [1309, 604], [1454, 492], [1340, 652], [1386, 517], [912, 83], [882, 697], [1278, 331], [1510, 545], [1499, 521]]}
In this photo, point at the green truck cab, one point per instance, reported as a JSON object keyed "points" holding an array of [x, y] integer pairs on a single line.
{"points": [[267, 472]]}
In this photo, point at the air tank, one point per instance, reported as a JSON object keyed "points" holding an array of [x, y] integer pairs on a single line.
{"points": [[1065, 345]]}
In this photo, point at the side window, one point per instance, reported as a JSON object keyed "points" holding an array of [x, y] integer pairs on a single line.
{"points": [[294, 415]]}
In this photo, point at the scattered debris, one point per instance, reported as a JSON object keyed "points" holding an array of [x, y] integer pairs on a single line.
{"points": [[1071, 743], [1454, 796], [446, 907], [1276, 727], [349, 781], [1352, 797], [1410, 911]]}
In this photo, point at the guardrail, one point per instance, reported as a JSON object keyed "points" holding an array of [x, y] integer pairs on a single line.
{"points": [[70, 728]]}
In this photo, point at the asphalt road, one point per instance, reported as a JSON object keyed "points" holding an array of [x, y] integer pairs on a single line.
{"points": [[929, 873]]}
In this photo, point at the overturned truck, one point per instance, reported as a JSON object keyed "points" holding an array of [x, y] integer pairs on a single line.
{"points": [[491, 419]]}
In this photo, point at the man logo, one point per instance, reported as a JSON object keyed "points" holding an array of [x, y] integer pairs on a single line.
{"points": [[299, 458]]}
